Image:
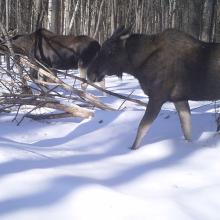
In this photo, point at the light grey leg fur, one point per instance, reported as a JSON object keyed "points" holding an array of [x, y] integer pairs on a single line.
{"points": [[183, 110], [102, 84], [83, 74], [36, 75], [153, 108]]}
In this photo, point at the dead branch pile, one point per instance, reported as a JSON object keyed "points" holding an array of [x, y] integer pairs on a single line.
{"points": [[33, 94], [19, 90]]}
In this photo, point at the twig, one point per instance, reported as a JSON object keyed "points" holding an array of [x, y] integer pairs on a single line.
{"points": [[4, 109], [36, 107], [16, 113], [12, 53], [125, 100]]}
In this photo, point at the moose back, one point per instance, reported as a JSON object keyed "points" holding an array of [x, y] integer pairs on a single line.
{"points": [[170, 66], [57, 51]]}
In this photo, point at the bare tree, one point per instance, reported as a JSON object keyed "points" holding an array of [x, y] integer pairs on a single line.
{"points": [[53, 15], [98, 19], [207, 32]]}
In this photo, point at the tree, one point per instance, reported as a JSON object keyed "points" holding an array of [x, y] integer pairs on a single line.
{"points": [[207, 32], [53, 15]]}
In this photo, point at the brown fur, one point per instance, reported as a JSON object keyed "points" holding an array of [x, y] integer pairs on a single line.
{"points": [[170, 66], [57, 51]]}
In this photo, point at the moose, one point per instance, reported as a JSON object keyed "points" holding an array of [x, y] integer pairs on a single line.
{"points": [[62, 52], [171, 66]]}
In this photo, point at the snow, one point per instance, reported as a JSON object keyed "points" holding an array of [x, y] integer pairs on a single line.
{"points": [[83, 169]]}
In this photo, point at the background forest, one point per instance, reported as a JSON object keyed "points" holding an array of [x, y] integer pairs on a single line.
{"points": [[99, 18]]}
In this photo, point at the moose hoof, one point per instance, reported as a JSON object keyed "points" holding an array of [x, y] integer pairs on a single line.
{"points": [[84, 86], [188, 140], [134, 147]]}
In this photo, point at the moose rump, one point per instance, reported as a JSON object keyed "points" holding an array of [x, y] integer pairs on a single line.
{"points": [[170, 66]]}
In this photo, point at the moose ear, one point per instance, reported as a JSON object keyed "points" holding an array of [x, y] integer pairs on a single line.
{"points": [[124, 37], [118, 31], [121, 33]]}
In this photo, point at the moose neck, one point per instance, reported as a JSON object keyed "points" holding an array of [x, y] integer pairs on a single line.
{"points": [[140, 48]]}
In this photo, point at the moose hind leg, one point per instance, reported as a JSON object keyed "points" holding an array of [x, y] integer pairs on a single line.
{"points": [[153, 108], [183, 110]]}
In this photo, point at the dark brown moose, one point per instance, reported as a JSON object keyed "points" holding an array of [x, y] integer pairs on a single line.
{"points": [[57, 51], [170, 66]]}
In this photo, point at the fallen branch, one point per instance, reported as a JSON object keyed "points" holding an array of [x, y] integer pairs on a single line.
{"points": [[75, 110], [107, 91], [49, 116]]}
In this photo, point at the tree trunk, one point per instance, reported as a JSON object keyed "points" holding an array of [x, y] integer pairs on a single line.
{"points": [[208, 20], [66, 16], [7, 28], [95, 35], [55, 16], [73, 17]]}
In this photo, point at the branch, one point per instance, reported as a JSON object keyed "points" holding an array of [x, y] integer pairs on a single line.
{"points": [[75, 110], [49, 116], [108, 92]]}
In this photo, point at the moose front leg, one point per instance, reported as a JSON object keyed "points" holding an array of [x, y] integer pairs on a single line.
{"points": [[83, 74], [183, 110], [153, 108]]}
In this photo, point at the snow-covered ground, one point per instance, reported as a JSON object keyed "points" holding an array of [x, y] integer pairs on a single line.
{"points": [[84, 170]]}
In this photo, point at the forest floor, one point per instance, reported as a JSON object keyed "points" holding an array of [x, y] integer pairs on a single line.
{"points": [[84, 169]]}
